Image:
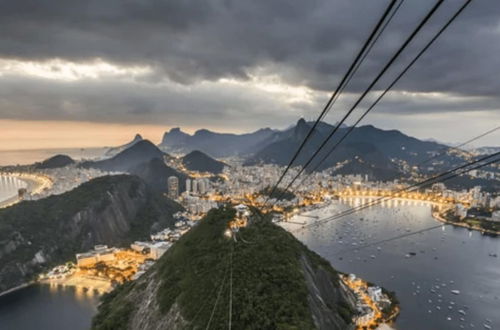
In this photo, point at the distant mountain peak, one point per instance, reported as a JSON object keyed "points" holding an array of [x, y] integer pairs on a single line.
{"points": [[175, 130], [199, 161], [55, 162], [174, 136], [115, 150], [138, 152], [202, 131], [301, 129]]}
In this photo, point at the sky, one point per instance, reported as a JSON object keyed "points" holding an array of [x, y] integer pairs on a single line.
{"points": [[93, 73]]}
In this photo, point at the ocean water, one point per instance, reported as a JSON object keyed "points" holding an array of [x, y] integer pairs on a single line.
{"points": [[44, 307], [24, 157]]}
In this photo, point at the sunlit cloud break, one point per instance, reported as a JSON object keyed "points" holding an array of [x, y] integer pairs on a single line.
{"points": [[58, 69]]}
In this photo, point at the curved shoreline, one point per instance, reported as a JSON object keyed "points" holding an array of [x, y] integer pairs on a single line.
{"points": [[34, 183], [19, 287], [440, 218]]}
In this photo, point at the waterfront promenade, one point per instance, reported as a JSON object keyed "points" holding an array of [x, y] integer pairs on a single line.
{"points": [[35, 184]]}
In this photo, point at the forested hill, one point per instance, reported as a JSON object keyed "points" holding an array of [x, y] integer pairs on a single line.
{"points": [[277, 284]]}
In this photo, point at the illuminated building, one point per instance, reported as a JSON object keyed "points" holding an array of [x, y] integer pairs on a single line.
{"points": [[173, 187]]}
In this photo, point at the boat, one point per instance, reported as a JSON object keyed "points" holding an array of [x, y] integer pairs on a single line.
{"points": [[457, 292]]}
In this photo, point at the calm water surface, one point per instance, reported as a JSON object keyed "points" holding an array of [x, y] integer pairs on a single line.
{"points": [[24, 157], [41, 307], [446, 259]]}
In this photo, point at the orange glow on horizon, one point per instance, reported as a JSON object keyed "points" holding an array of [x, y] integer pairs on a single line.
{"points": [[27, 135]]}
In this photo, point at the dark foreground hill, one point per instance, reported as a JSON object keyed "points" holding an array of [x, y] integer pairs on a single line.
{"points": [[55, 162], [198, 161], [113, 210], [277, 283]]}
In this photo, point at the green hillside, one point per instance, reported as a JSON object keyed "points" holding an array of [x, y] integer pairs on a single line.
{"points": [[269, 289]]}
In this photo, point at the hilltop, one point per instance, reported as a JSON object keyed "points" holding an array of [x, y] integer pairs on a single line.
{"points": [[55, 162], [141, 151], [278, 283], [113, 210], [115, 150], [201, 162]]}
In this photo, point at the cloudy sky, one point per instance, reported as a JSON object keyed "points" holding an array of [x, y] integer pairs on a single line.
{"points": [[87, 73]]}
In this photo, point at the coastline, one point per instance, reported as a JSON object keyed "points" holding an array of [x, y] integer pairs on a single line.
{"points": [[86, 283], [90, 283], [440, 218], [34, 185], [19, 287]]}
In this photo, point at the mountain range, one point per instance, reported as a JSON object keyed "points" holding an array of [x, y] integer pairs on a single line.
{"points": [[214, 144], [381, 154], [147, 161]]}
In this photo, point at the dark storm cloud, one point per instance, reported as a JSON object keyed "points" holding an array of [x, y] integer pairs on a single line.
{"points": [[304, 42], [188, 40]]}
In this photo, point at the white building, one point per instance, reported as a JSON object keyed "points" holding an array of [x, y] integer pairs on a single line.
{"points": [[375, 293]]}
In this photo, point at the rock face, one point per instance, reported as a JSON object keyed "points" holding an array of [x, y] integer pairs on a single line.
{"points": [[277, 283], [326, 290], [113, 210]]}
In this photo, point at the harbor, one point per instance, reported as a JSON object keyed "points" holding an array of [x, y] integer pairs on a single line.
{"points": [[439, 295]]}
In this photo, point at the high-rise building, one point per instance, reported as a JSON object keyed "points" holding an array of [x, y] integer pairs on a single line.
{"points": [[194, 186], [188, 185], [201, 186], [173, 187]]}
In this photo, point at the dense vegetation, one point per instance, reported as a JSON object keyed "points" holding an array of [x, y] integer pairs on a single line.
{"points": [[268, 288], [278, 192]]}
